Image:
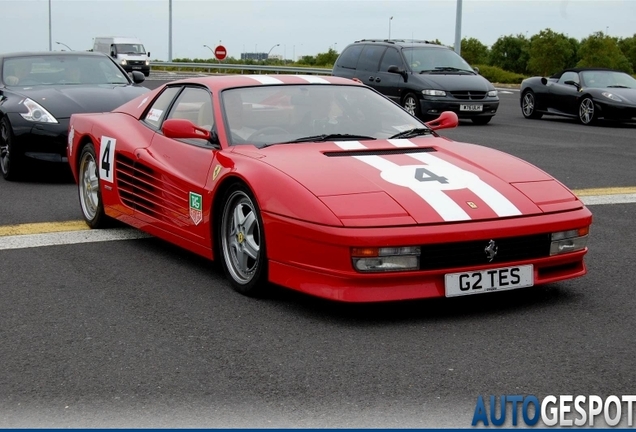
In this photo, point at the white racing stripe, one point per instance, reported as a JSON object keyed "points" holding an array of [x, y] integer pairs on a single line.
{"points": [[69, 237], [313, 79], [448, 209], [265, 79]]}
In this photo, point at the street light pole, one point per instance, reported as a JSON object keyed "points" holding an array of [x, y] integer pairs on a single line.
{"points": [[458, 28], [169, 30], [270, 50], [390, 19], [69, 48], [50, 34]]}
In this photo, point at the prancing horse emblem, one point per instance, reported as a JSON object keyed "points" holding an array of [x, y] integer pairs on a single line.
{"points": [[491, 250]]}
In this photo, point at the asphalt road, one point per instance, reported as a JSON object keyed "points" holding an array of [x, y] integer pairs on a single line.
{"points": [[142, 334]]}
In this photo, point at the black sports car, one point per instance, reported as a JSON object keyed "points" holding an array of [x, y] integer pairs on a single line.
{"points": [[583, 93], [40, 90]]}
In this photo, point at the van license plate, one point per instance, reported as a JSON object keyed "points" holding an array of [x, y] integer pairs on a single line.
{"points": [[471, 107], [136, 67], [497, 279]]}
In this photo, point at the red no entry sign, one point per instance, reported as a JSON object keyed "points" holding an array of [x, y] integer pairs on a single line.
{"points": [[220, 52]]}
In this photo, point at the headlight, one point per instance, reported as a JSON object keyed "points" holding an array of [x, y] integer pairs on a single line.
{"points": [[492, 93], [36, 112], [612, 96], [569, 241], [434, 92], [386, 259], [147, 62], [124, 62]]}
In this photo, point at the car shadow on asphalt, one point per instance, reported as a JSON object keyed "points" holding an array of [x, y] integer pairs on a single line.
{"points": [[43, 172]]}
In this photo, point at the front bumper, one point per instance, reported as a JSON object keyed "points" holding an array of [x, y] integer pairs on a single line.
{"points": [[622, 112], [433, 107], [42, 141], [316, 259], [140, 68]]}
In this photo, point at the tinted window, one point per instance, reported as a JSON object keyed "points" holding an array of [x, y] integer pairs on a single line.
{"points": [[391, 58], [370, 58], [349, 58], [431, 59], [194, 104], [63, 69], [157, 110], [569, 76]]}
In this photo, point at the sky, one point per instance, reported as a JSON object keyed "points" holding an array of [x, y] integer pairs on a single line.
{"points": [[294, 28]]}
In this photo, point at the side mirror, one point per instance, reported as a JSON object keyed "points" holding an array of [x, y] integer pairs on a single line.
{"points": [[446, 120], [183, 129], [476, 69], [573, 83], [398, 70], [138, 77], [113, 54], [148, 53]]}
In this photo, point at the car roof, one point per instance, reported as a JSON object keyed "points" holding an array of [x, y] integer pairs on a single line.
{"points": [[49, 53], [583, 69], [222, 82], [407, 43]]}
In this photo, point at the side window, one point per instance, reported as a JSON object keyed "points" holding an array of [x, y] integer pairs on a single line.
{"points": [[569, 76], [194, 104], [391, 58], [157, 110], [349, 58], [370, 58]]}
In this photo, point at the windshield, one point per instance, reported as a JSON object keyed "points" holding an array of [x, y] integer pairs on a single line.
{"points": [[434, 60], [130, 49], [61, 70], [607, 79], [278, 114]]}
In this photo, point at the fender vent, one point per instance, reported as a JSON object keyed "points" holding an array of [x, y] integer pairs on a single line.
{"points": [[146, 191]]}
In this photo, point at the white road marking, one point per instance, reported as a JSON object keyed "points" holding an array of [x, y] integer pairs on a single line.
{"points": [[609, 199], [69, 237]]}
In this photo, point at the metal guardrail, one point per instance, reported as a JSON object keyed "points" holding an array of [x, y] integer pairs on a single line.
{"points": [[243, 68]]}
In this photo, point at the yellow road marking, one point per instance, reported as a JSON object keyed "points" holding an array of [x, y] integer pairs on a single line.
{"points": [[41, 228], [605, 191]]}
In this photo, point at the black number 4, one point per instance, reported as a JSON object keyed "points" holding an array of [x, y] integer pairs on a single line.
{"points": [[105, 163], [422, 174]]}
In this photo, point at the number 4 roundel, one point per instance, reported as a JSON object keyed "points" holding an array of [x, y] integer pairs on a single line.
{"points": [[107, 158]]}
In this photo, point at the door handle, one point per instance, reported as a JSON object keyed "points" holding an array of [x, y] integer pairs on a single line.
{"points": [[377, 79], [371, 78]]}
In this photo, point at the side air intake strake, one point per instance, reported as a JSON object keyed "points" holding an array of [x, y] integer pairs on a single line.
{"points": [[146, 191]]}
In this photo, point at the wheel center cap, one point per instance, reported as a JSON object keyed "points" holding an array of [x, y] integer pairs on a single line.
{"points": [[240, 237]]}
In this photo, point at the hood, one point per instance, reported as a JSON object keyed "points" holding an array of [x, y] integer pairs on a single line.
{"points": [[418, 181], [627, 94], [451, 81], [62, 101]]}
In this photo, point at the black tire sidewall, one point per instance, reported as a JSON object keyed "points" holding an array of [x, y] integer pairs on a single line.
{"points": [[100, 220], [15, 160]]}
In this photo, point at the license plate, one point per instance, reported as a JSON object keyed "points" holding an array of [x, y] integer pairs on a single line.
{"points": [[497, 279], [471, 107], [136, 67]]}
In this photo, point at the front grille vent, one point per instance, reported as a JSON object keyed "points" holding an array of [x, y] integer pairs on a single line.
{"points": [[472, 253]]}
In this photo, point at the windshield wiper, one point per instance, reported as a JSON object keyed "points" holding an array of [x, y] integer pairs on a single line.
{"points": [[453, 69], [327, 137], [618, 86], [411, 133]]}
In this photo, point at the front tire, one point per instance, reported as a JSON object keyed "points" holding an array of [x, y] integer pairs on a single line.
{"points": [[529, 106], [11, 161], [242, 240], [587, 111], [412, 105], [88, 187]]}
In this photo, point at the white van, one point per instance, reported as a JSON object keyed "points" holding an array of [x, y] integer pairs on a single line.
{"points": [[127, 51]]}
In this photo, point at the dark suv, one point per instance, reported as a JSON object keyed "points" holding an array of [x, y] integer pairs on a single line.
{"points": [[423, 77]]}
